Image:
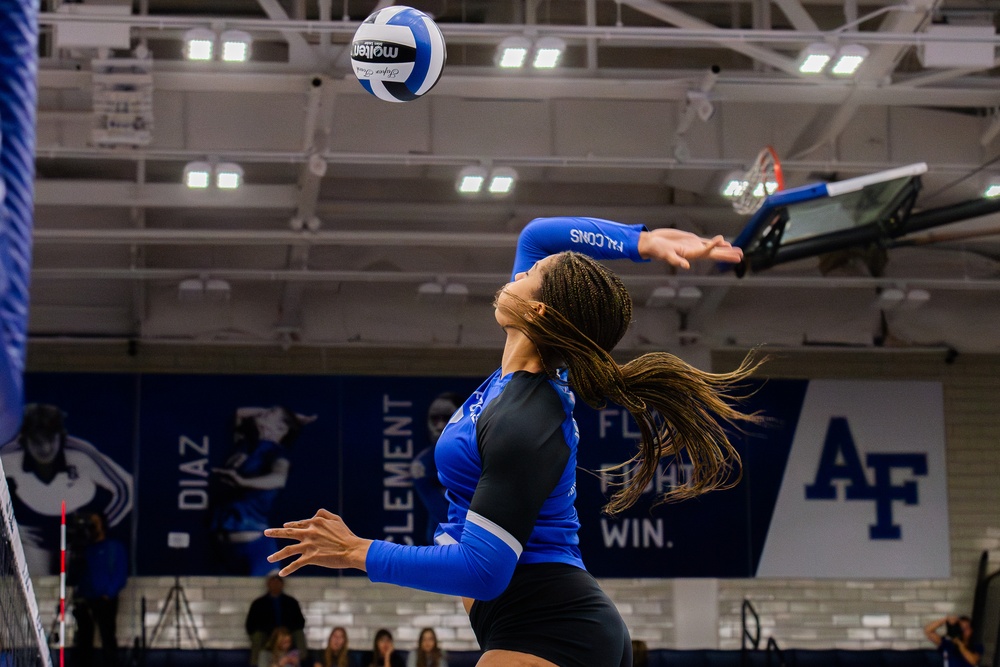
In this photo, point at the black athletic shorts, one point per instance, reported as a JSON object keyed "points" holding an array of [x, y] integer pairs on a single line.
{"points": [[556, 612]]}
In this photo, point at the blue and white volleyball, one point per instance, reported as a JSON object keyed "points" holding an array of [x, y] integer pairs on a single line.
{"points": [[398, 54]]}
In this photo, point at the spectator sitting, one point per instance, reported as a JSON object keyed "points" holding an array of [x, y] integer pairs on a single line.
{"points": [[271, 611], [428, 653], [279, 650], [384, 652], [956, 643], [336, 652]]}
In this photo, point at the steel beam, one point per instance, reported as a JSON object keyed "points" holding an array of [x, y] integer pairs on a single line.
{"points": [[50, 192]]}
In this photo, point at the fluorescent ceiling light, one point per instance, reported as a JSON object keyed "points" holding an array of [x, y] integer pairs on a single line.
{"points": [[470, 180], [849, 59], [992, 189], [548, 52], [512, 52], [814, 58], [197, 175], [199, 44], [769, 187], [235, 46], [734, 187], [228, 176], [502, 181]]}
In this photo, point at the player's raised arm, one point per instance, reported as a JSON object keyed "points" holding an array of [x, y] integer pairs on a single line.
{"points": [[605, 239], [600, 239]]}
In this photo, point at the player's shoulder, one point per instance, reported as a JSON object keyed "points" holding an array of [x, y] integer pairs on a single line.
{"points": [[528, 404], [533, 391]]}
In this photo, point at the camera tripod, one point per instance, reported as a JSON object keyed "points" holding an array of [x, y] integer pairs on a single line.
{"points": [[181, 615]]}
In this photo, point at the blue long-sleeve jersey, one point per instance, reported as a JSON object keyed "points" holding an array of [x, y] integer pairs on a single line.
{"points": [[508, 457]]}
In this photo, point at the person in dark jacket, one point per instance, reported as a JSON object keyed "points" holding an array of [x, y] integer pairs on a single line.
{"points": [[102, 577], [273, 610]]}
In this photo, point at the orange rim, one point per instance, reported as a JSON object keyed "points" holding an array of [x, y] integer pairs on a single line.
{"points": [[779, 177]]}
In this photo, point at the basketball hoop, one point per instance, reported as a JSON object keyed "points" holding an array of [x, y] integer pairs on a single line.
{"points": [[762, 179]]}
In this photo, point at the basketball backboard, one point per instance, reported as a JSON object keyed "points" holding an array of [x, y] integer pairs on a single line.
{"points": [[824, 217]]}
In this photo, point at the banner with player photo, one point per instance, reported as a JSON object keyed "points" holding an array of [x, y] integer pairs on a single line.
{"points": [[846, 479], [76, 444]]}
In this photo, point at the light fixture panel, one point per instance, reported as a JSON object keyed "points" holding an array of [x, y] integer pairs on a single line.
{"points": [[470, 180], [513, 58], [228, 176], [501, 185], [513, 52], [814, 58], [234, 52], [197, 175], [199, 44], [235, 46], [502, 181], [548, 52], [734, 188], [471, 184], [849, 59]]}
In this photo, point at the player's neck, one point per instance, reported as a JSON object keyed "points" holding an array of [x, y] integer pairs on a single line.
{"points": [[520, 354]]}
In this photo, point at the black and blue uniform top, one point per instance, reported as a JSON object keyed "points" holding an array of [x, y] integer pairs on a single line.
{"points": [[508, 457]]}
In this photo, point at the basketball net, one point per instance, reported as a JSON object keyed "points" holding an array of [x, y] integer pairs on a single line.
{"points": [[762, 179]]}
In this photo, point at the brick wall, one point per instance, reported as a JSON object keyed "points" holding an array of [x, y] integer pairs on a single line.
{"points": [[798, 613]]}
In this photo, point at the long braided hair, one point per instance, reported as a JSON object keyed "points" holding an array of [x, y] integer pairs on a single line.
{"points": [[586, 312]]}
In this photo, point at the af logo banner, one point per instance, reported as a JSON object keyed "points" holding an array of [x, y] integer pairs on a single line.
{"points": [[865, 491]]}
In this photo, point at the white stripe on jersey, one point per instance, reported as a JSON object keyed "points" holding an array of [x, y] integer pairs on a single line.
{"points": [[495, 530]]}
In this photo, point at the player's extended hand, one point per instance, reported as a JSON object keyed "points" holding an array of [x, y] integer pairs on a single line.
{"points": [[677, 247], [323, 540]]}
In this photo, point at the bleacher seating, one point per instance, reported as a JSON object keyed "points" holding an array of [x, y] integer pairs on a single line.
{"points": [[657, 658]]}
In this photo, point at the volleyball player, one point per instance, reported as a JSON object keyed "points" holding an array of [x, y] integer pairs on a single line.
{"points": [[247, 486], [508, 458]]}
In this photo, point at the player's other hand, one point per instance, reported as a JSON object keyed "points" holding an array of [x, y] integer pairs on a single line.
{"points": [[678, 248], [323, 540]]}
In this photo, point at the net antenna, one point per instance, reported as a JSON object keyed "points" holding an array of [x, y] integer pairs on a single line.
{"points": [[763, 178]]}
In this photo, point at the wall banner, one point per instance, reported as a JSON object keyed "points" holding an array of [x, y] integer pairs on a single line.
{"points": [[847, 479]]}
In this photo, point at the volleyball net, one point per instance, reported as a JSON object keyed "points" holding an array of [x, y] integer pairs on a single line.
{"points": [[22, 638]]}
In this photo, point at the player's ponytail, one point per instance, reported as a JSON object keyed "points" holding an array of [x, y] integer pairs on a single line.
{"points": [[680, 410], [677, 407]]}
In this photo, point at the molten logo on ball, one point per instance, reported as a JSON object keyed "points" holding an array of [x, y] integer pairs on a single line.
{"points": [[371, 51], [398, 54]]}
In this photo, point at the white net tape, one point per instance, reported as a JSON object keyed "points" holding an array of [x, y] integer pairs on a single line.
{"points": [[22, 638]]}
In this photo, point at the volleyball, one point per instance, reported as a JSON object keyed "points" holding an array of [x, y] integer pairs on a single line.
{"points": [[398, 54]]}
